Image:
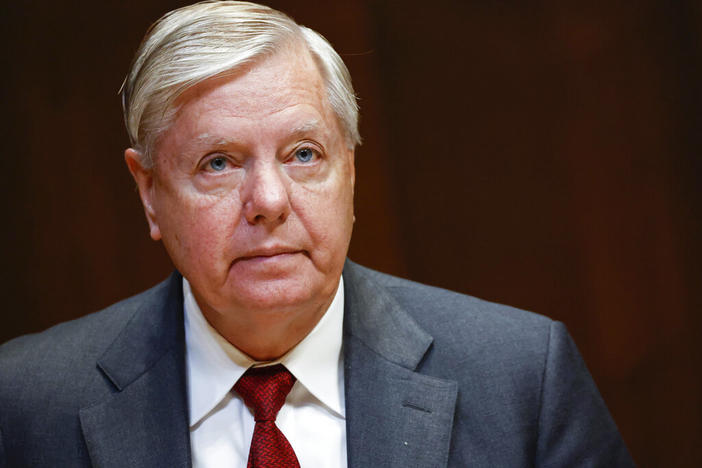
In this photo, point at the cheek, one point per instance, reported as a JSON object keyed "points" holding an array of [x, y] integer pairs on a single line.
{"points": [[326, 212], [196, 227]]}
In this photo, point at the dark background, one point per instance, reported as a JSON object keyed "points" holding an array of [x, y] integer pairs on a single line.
{"points": [[542, 154]]}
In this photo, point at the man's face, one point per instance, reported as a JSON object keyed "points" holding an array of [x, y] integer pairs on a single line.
{"points": [[252, 190]]}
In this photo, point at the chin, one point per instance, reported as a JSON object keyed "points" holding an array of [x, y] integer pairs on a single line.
{"points": [[279, 295]]}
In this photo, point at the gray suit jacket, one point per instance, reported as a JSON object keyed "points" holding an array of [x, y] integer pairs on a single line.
{"points": [[433, 379]]}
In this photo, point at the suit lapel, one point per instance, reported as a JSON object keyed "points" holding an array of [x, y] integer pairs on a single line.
{"points": [[144, 423], [395, 416]]}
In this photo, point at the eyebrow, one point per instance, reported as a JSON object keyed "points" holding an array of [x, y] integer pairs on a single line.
{"points": [[306, 127], [207, 138], [302, 129]]}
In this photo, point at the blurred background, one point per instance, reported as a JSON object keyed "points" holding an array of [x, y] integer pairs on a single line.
{"points": [[542, 154]]}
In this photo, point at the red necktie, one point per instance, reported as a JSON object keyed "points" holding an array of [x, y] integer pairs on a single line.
{"points": [[264, 390]]}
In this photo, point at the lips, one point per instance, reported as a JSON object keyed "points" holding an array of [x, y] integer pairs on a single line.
{"points": [[268, 253]]}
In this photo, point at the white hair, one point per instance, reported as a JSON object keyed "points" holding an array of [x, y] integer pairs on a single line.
{"points": [[191, 44]]}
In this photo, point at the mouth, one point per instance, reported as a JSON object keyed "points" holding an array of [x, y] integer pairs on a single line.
{"points": [[267, 254]]}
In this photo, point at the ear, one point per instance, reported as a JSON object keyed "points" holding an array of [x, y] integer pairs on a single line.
{"points": [[352, 167], [351, 157], [144, 179]]}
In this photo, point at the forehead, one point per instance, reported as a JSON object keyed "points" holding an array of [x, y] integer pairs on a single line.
{"points": [[285, 84]]}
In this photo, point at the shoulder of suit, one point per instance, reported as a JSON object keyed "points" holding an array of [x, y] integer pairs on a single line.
{"points": [[459, 322], [69, 344], [423, 297]]}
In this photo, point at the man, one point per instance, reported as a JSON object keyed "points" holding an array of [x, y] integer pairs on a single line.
{"points": [[258, 351]]}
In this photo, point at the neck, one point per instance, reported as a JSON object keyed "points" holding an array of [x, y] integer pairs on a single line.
{"points": [[265, 335]]}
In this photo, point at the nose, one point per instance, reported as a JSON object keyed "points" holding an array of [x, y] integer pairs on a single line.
{"points": [[265, 194]]}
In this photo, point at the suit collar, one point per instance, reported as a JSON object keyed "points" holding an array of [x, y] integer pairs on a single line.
{"points": [[155, 328], [379, 322], [144, 422], [395, 415]]}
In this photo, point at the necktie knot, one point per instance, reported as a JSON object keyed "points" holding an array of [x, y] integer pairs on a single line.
{"points": [[264, 390]]}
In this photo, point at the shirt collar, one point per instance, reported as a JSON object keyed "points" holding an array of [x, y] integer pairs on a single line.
{"points": [[214, 365]]}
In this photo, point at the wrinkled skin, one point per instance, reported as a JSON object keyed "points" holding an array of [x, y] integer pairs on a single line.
{"points": [[252, 195]]}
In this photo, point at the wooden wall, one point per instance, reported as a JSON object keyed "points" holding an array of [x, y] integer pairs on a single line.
{"points": [[543, 154]]}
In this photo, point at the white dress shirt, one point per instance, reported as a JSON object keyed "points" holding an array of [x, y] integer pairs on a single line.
{"points": [[313, 416]]}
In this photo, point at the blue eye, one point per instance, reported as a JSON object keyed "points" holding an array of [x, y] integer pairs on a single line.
{"points": [[304, 154], [218, 164]]}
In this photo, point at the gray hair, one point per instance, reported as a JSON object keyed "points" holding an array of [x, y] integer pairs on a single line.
{"points": [[191, 44]]}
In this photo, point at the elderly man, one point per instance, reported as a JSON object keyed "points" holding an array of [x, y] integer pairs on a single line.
{"points": [[267, 347]]}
